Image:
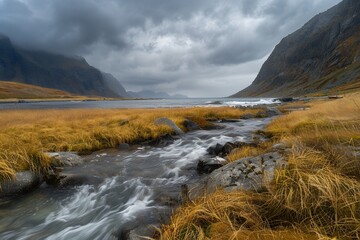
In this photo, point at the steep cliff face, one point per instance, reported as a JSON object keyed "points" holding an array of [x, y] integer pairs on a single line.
{"points": [[322, 55], [49, 70]]}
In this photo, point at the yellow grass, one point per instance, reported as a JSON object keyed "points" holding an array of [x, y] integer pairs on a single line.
{"points": [[26, 134], [21, 90], [248, 151], [316, 197]]}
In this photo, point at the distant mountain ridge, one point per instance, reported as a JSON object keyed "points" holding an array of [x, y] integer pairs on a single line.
{"points": [[152, 94], [322, 55], [70, 74]]}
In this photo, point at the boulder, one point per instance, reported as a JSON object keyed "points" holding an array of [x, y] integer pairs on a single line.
{"points": [[65, 159], [208, 165], [124, 146], [251, 173], [168, 122], [24, 182], [190, 125], [272, 111]]}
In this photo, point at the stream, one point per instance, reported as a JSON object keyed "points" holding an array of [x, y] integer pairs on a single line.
{"points": [[129, 189]]}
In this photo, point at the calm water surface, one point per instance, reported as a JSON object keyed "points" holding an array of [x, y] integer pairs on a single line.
{"points": [[156, 103]]}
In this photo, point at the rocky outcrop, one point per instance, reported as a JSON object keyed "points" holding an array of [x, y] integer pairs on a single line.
{"points": [[168, 122], [190, 125], [70, 74], [65, 159], [250, 173], [320, 56]]}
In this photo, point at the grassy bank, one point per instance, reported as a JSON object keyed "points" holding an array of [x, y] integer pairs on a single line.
{"points": [[316, 197], [26, 134]]}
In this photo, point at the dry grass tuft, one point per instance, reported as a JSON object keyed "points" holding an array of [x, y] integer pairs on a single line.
{"points": [[247, 151], [220, 215]]}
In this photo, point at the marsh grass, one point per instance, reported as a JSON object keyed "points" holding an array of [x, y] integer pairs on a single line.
{"points": [[247, 151], [316, 197], [26, 134]]}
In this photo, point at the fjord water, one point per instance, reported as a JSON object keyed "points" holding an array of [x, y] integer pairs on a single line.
{"points": [[127, 189], [151, 103]]}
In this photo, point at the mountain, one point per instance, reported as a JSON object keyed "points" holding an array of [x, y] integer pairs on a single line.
{"points": [[71, 74], [322, 55], [112, 83], [152, 94]]}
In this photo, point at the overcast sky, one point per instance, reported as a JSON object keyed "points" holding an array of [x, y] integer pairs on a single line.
{"points": [[195, 47]]}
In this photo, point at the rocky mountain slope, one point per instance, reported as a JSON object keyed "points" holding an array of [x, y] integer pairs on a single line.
{"points": [[322, 55], [71, 74]]}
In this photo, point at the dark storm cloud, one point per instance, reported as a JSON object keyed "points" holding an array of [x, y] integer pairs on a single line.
{"points": [[160, 43]]}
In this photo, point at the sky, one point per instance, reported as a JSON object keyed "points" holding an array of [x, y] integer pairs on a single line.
{"points": [[199, 48]]}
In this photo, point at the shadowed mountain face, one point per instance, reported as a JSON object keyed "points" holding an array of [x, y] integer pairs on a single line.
{"points": [[322, 55], [44, 69]]}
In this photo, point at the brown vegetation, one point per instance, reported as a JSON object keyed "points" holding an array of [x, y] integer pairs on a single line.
{"points": [[26, 134], [316, 197], [11, 90]]}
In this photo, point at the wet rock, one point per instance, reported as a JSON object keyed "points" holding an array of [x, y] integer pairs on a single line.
{"points": [[215, 150], [190, 125], [123, 146], [65, 159], [224, 150], [208, 165], [162, 141], [78, 180], [247, 116], [170, 123], [250, 173], [60, 179], [228, 147], [24, 182], [227, 120]]}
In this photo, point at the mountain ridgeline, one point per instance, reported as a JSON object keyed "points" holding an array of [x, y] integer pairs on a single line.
{"points": [[321, 56], [70, 74]]}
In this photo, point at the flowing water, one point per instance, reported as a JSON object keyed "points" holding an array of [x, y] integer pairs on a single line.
{"points": [[127, 189]]}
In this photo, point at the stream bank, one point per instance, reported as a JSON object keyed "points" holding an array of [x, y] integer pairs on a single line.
{"points": [[123, 189]]}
